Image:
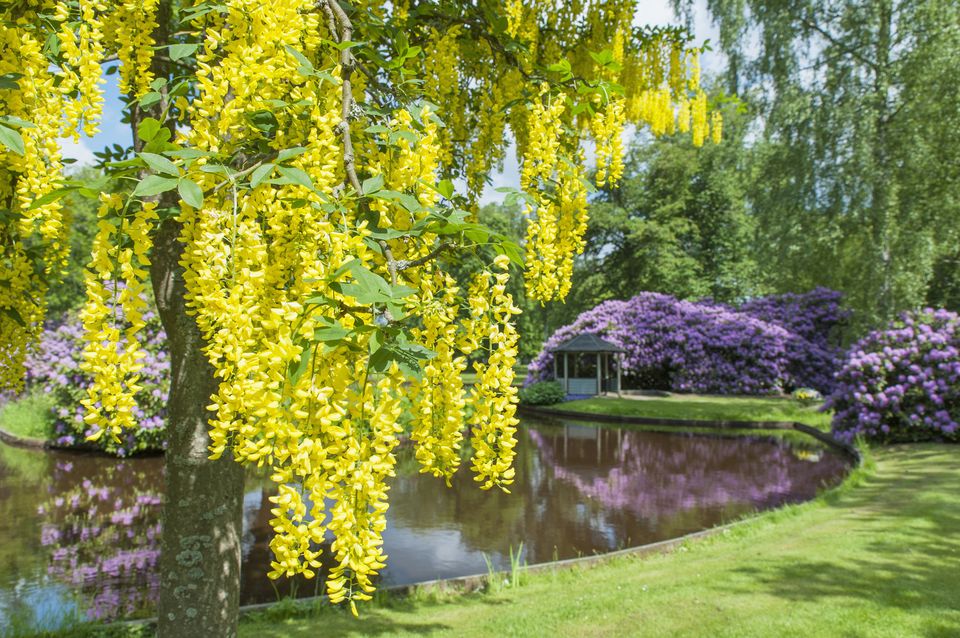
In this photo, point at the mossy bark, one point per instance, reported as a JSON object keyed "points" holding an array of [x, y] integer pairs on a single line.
{"points": [[202, 516]]}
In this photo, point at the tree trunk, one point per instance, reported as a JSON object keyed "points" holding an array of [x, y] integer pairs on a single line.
{"points": [[202, 515], [882, 191]]}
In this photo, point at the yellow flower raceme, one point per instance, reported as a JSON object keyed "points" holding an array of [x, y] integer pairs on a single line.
{"points": [[493, 397]]}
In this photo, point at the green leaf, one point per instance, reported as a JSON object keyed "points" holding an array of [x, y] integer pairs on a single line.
{"points": [[290, 153], [406, 200], [367, 287], [563, 66], [188, 153], [149, 99], [296, 370], [190, 192], [407, 355], [52, 196], [406, 135], [9, 81], [14, 316], [148, 129], [217, 169], [346, 44], [154, 185], [160, 164], [299, 57], [445, 188], [180, 51], [372, 184], [329, 334], [11, 139], [264, 121], [261, 173], [16, 122], [296, 175]]}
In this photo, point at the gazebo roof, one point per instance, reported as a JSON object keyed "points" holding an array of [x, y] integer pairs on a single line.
{"points": [[588, 343]]}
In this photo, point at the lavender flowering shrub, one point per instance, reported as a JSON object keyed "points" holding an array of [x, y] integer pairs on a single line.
{"points": [[815, 317], [53, 367], [687, 346], [902, 383]]}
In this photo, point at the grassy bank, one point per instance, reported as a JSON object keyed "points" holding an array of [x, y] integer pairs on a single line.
{"points": [[705, 408], [877, 557]]}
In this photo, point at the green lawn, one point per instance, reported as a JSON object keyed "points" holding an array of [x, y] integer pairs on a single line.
{"points": [[519, 370], [705, 408], [879, 556], [28, 417]]}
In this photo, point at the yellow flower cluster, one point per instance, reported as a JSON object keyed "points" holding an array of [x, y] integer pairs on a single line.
{"points": [[553, 176], [700, 127], [33, 244], [514, 12], [438, 398], [408, 165], [607, 127], [716, 127], [115, 284], [493, 396], [82, 48], [129, 29], [442, 86]]}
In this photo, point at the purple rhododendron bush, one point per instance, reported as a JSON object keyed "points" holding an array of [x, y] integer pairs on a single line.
{"points": [[902, 383], [770, 346], [53, 367]]}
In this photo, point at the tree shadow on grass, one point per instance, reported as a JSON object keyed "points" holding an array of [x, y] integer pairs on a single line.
{"points": [[369, 624], [906, 520]]}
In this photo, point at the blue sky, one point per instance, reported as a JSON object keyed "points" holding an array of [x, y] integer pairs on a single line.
{"points": [[113, 131]]}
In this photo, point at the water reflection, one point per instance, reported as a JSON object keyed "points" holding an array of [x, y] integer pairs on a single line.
{"points": [[81, 533]]}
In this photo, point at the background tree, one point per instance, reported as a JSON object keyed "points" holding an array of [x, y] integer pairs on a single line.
{"points": [[288, 195], [856, 174], [679, 224]]}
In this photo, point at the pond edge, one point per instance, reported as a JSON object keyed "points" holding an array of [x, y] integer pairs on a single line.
{"points": [[476, 582]]}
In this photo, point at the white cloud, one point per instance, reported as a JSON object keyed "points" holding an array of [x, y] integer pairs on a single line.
{"points": [[79, 151]]}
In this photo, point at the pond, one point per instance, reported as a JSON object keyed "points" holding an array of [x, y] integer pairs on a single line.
{"points": [[80, 533]]}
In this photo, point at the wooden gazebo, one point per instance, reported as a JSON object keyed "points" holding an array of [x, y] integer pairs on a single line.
{"points": [[588, 375]]}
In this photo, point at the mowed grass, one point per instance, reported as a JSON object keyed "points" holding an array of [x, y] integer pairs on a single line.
{"points": [[520, 374], [29, 416], [705, 408], [877, 557]]}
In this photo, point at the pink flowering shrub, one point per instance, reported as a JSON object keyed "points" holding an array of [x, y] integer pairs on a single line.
{"points": [[902, 383]]}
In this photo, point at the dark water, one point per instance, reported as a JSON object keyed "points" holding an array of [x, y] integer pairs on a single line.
{"points": [[79, 534]]}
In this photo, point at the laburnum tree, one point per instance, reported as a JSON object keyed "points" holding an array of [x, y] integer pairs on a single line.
{"points": [[299, 172]]}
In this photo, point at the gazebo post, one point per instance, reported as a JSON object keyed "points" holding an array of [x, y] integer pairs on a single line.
{"points": [[619, 365], [599, 382], [566, 373]]}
